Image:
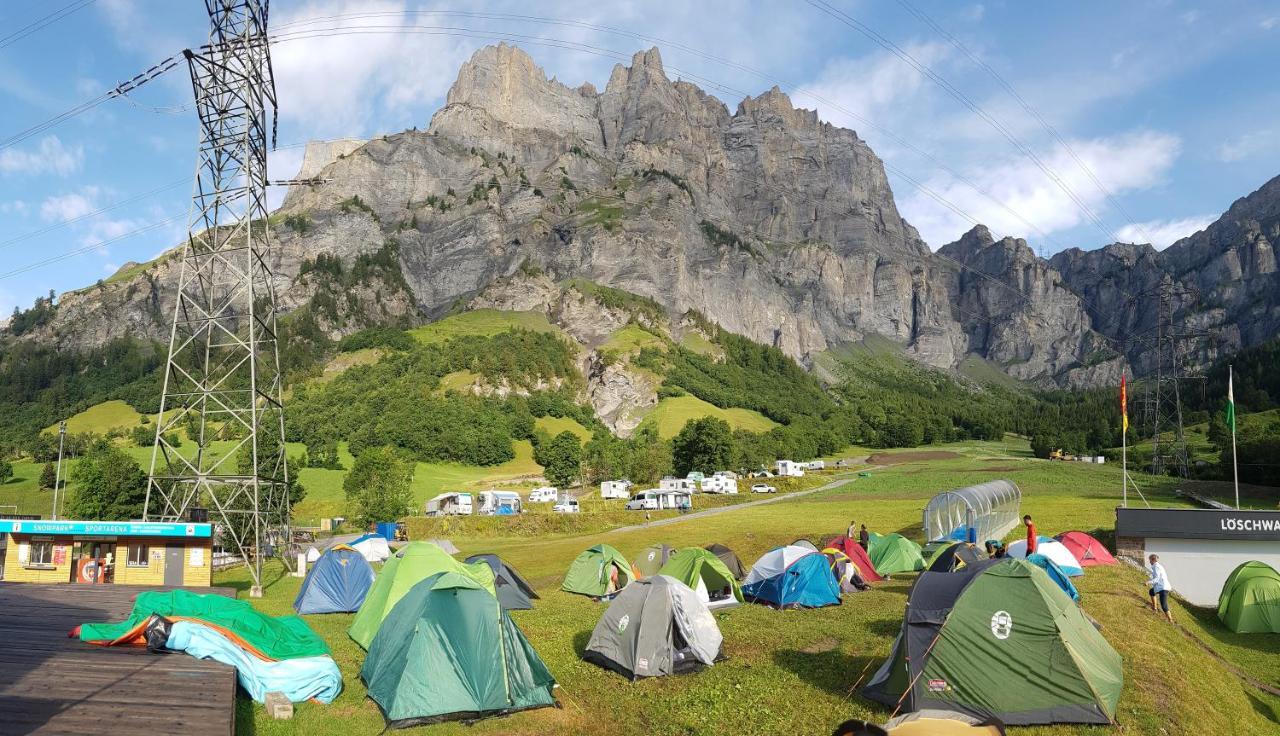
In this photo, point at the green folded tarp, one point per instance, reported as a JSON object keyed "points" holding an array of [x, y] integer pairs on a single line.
{"points": [[416, 562], [273, 637]]}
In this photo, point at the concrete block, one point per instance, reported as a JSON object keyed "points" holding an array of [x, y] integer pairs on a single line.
{"points": [[278, 706]]}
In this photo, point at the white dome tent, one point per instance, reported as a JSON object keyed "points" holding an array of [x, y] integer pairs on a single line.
{"points": [[1051, 548], [991, 509]]}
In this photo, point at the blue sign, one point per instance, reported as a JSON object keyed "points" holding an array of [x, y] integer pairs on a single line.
{"points": [[107, 528]]}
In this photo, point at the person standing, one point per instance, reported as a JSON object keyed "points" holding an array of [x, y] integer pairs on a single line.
{"points": [[1158, 587], [1031, 534], [864, 538], [848, 533]]}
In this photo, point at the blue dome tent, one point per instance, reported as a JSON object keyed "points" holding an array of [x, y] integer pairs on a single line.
{"points": [[337, 583], [792, 577]]}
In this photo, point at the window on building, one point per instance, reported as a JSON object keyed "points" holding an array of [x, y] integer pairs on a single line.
{"points": [[41, 553], [138, 555]]}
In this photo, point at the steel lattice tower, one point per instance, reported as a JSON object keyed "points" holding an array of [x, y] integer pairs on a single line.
{"points": [[1164, 385], [223, 380]]}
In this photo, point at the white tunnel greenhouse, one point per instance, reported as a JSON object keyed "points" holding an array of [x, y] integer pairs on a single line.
{"points": [[991, 509]]}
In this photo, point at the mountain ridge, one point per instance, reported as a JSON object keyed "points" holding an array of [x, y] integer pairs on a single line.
{"points": [[768, 221]]}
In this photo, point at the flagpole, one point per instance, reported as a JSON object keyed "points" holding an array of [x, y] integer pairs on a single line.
{"points": [[1124, 467], [1235, 468]]}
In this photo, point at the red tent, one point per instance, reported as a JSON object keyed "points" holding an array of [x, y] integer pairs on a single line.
{"points": [[858, 555], [1088, 550]]}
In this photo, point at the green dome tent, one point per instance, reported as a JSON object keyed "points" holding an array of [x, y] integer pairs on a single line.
{"points": [[998, 637], [448, 651], [710, 578], [591, 573], [651, 559], [416, 562], [895, 553], [1250, 599]]}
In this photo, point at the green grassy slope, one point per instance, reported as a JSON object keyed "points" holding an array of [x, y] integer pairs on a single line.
{"points": [[791, 672], [673, 412], [483, 322], [102, 418], [555, 425]]}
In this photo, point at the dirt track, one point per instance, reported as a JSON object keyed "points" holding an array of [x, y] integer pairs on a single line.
{"points": [[895, 458]]}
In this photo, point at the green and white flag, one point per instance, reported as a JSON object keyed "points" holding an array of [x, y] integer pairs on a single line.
{"points": [[1231, 405]]}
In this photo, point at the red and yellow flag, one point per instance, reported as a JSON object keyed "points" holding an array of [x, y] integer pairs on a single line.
{"points": [[1124, 406]]}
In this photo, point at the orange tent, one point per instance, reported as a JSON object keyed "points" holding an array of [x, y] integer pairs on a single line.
{"points": [[858, 555], [1088, 550]]}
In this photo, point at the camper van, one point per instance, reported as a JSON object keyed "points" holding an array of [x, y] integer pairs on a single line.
{"points": [[567, 506], [815, 465], [788, 469], [500, 503], [450, 504], [684, 485], [719, 484], [615, 489], [656, 499], [546, 494]]}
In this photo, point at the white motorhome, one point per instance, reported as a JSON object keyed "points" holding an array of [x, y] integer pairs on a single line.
{"points": [[500, 503], [686, 485], [815, 465], [788, 469], [546, 494], [450, 504], [719, 484], [656, 499], [615, 489]]}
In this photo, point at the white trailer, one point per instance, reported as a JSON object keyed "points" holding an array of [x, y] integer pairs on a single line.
{"points": [[686, 485], [611, 489], [720, 484], [500, 503], [788, 469], [450, 504]]}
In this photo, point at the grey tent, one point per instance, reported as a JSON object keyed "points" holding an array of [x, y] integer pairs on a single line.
{"points": [[514, 592], [656, 626], [445, 545], [729, 559], [805, 543], [652, 558]]}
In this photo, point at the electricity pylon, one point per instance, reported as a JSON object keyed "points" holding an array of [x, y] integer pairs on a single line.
{"points": [[223, 380]]}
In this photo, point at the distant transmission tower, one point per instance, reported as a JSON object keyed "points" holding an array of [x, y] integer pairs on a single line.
{"points": [[223, 380], [1164, 384]]}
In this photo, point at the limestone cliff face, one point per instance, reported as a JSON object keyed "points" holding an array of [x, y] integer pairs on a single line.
{"points": [[768, 221], [1223, 279]]}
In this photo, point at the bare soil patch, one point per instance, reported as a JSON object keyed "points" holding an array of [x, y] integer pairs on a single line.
{"points": [[885, 458]]}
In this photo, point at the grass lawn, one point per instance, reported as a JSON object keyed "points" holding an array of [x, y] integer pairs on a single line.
{"points": [[483, 322], [673, 412], [791, 672], [342, 361], [555, 425], [697, 343], [102, 418]]}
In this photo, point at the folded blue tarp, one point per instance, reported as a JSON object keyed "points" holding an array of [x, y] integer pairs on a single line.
{"points": [[302, 678]]}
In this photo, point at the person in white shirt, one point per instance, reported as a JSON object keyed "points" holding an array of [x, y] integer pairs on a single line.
{"points": [[1158, 584]]}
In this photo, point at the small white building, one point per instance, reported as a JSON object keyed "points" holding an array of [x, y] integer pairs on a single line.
{"points": [[615, 489], [720, 484], [788, 469], [450, 504], [685, 485]]}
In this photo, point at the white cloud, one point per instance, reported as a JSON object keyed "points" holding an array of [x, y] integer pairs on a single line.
{"points": [[50, 156], [104, 230], [872, 86], [1189, 17], [69, 206], [1269, 23], [1123, 163], [16, 207], [1248, 145], [345, 84], [1163, 233]]}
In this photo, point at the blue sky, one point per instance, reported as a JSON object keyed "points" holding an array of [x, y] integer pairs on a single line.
{"points": [[1171, 105]]}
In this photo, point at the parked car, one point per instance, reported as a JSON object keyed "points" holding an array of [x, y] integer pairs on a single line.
{"points": [[567, 506], [763, 488]]}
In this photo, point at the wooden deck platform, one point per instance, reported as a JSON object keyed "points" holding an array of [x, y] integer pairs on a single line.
{"points": [[52, 684]]}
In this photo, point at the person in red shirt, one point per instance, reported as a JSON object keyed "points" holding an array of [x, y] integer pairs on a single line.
{"points": [[1031, 534]]}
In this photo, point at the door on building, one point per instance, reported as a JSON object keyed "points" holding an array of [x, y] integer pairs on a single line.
{"points": [[173, 562]]}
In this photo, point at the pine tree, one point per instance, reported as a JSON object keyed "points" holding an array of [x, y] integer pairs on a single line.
{"points": [[48, 476]]}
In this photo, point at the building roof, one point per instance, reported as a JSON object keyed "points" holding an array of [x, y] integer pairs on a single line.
{"points": [[107, 528]]}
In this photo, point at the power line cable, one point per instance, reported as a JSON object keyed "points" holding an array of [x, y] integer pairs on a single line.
{"points": [[43, 22]]}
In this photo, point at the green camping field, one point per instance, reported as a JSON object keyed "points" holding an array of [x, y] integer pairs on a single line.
{"points": [[792, 672]]}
